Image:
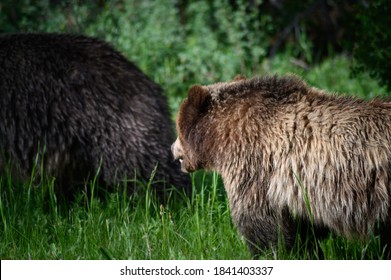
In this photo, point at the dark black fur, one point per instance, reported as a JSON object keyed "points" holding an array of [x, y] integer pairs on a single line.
{"points": [[86, 106]]}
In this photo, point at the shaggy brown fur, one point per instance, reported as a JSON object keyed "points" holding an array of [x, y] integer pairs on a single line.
{"points": [[276, 141]]}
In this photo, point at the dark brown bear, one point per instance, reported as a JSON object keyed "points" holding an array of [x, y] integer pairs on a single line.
{"points": [[73, 105], [278, 144]]}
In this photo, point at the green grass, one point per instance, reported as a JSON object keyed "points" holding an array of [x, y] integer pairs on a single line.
{"points": [[36, 225]]}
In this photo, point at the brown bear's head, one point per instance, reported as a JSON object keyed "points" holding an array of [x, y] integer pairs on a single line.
{"points": [[191, 112], [197, 128]]}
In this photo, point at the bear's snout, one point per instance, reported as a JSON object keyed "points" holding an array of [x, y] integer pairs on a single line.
{"points": [[176, 150]]}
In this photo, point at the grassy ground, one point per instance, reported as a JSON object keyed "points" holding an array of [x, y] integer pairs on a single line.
{"points": [[37, 224], [34, 225]]}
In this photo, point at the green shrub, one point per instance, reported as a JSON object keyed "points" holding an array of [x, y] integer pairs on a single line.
{"points": [[373, 48]]}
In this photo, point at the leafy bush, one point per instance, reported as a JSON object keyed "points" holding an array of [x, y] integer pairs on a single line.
{"points": [[373, 47], [215, 42]]}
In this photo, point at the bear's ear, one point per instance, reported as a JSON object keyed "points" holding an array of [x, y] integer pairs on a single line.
{"points": [[239, 78], [196, 102], [197, 96]]}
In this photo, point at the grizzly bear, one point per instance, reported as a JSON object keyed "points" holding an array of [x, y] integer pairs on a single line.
{"points": [[291, 155], [74, 107]]}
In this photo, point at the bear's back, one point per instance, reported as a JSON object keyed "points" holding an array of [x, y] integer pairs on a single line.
{"points": [[85, 103]]}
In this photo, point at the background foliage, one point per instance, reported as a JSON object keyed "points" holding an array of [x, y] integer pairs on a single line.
{"points": [[177, 42], [373, 48]]}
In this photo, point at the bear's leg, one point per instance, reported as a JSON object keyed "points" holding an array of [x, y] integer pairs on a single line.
{"points": [[280, 230], [265, 229]]}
